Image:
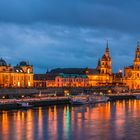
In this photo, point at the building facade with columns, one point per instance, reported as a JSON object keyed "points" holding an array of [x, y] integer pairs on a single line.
{"points": [[19, 76]]}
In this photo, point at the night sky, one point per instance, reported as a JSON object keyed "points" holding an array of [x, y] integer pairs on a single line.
{"points": [[68, 33]]}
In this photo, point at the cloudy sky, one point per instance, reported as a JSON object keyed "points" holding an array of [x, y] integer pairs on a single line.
{"points": [[68, 33]]}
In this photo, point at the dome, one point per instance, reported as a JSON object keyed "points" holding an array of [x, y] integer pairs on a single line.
{"points": [[3, 62], [23, 63]]}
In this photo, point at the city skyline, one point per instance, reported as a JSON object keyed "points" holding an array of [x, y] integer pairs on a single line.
{"points": [[52, 34], [44, 70]]}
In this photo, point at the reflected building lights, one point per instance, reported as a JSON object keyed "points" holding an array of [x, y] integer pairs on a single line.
{"points": [[40, 123], [5, 125], [30, 126]]}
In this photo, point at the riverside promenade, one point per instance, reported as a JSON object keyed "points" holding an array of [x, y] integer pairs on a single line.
{"points": [[9, 98], [59, 91], [6, 104]]}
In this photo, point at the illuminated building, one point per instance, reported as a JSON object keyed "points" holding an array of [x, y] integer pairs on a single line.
{"points": [[102, 75], [67, 77], [18, 76], [78, 77], [132, 73], [118, 78], [93, 77], [40, 80]]}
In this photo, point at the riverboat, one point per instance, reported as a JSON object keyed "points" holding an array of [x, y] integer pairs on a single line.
{"points": [[78, 100], [92, 99], [25, 105]]}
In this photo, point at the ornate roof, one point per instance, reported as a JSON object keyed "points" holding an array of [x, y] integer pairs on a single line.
{"points": [[3, 62], [23, 63], [69, 70], [18, 69], [93, 71], [40, 77], [72, 75]]}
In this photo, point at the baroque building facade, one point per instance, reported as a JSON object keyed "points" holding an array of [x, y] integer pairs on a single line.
{"points": [[80, 77], [92, 77], [67, 77], [102, 74], [132, 73], [17, 76]]}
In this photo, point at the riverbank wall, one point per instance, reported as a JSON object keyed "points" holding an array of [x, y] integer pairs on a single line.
{"points": [[58, 91]]}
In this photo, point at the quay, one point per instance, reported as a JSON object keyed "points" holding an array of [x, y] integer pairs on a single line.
{"points": [[51, 96], [7, 104], [122, 96]]}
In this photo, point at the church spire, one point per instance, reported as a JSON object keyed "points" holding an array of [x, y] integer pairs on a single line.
{"points": [[137, 51], [138, 46], [107, 48], [99, 64]]}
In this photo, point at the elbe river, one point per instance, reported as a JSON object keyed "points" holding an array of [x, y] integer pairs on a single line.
{"points": [[118, 120]]}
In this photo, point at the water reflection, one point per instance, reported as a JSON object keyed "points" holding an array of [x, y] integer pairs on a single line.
{"points": [[116, 120]]}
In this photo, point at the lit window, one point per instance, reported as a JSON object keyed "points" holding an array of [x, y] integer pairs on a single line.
{"points": [[29, 84], [18, 84], [28, 71]]}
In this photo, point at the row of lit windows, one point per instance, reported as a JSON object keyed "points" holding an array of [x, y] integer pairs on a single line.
{"points": [[71, 80]]}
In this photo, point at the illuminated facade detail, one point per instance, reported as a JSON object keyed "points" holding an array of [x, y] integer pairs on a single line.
{"points": [[132, 73], [106, 63], [40, 80], [102, 75], [66, 77], [15, 76], [68, 80], [87, 77]]}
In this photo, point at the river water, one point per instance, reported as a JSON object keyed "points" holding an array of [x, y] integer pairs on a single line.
{"points": [[108, 121]]}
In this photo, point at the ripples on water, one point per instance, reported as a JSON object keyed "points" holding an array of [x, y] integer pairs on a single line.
{"points": [[109, 121]]}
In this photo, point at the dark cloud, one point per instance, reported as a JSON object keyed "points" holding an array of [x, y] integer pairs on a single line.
{"points": [[116, 15], [68, 33]]}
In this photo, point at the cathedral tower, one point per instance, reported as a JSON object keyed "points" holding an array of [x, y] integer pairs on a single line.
{"points": [[137, 58], [106, 62]]}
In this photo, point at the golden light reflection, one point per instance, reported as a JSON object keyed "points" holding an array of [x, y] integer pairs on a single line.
{"points": [[18, 125], [90, 119], [100, 111], [55, 121], [29, 125], [23, 117], [52, 117], [40, 123], [5, 124]]}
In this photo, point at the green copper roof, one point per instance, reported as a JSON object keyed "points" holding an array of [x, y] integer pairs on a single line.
{"points": [[72, 75]]}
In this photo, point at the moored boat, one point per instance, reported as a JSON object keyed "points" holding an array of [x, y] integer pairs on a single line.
{"points": [[78, 100], [92, 99], [100, 99], [137, 97], [25, 105]]}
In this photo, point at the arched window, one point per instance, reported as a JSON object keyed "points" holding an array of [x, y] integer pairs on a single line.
{"points": [[28, 70], [102, 71]]}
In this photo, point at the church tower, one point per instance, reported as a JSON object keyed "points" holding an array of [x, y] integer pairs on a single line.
{"points": [[99, 64], [106, 62], [137, 58]]}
